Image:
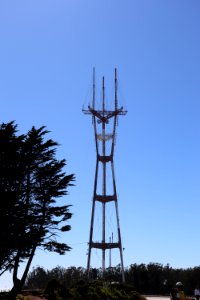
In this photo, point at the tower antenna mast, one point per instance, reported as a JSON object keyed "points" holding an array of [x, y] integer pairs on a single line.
{"points": [[102, 119]]}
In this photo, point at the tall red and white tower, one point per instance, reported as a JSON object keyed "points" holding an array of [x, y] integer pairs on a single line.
{"points": [[105, 193]]}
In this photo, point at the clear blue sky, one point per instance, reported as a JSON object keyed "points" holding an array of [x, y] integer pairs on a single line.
{"points": [[48, 49]]}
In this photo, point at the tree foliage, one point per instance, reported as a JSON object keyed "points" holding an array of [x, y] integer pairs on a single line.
{"points": [[153, 278], [31, 182], [97, 290]]}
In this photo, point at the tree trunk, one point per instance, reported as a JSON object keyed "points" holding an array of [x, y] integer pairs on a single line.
{"points": [[18, 284], [15, 290]]}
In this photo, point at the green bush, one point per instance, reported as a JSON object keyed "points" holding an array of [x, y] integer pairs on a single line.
{"points": [[96, 290], [74, 294], [56, 291], [93, 294]]}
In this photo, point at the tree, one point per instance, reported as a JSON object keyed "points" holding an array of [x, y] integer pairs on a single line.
{"points": [[32, 182], [10, 176], [37, 278]]}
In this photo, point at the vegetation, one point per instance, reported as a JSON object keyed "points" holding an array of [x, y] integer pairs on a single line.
{"points": [[94, 290], [31, 181], [151, 279]]}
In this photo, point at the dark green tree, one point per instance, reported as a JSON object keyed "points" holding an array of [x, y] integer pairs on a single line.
{"points": [[155, 278], [33, 180], [11, 175], [37, 278]]}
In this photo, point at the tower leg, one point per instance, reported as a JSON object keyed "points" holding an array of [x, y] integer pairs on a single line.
{"points": [[92, 219], [120, 242]]}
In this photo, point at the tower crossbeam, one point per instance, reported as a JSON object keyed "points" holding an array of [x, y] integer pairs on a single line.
{"points": [[104, 115]]}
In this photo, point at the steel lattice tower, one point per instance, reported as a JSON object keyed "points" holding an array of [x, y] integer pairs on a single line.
{"points": [[102, 119]]}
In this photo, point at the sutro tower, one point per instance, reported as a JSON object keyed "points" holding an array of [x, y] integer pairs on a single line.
{"points": [[104, 192]]}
